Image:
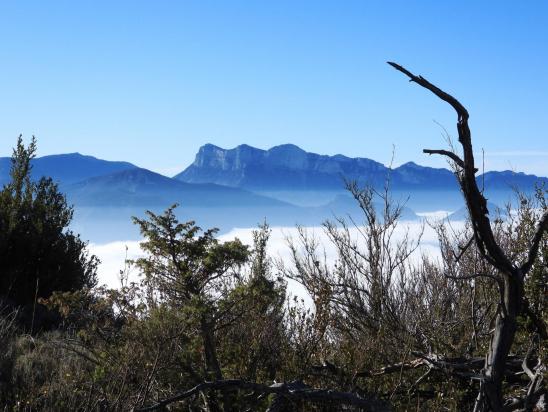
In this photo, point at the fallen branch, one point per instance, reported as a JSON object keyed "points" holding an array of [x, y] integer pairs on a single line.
{"points": [[296, 391], [456, 366], [388, 369]]}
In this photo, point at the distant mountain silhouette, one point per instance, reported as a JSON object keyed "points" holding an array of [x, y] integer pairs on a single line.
{"points": [[509, 179], [141, 187], [288, 167], [278, 168], [285, 167], [244, 186], [67, 168]]}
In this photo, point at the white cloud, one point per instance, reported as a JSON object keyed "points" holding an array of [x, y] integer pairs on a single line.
{"points": [[113, 254], [436, 215]]}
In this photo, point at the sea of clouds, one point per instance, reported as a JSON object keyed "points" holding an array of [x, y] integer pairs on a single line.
{"points": [[114, 254]]}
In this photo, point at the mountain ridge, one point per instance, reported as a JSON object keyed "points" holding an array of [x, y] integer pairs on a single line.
{"points": [[252, 168], [107, 193], [67, 168], [288, 167], [142, 187]]}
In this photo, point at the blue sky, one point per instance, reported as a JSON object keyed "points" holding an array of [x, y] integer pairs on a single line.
{"points": [[150, 82]]}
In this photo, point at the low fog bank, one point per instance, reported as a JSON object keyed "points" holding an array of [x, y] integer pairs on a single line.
{"points": [[113, 254], [101, 225]]}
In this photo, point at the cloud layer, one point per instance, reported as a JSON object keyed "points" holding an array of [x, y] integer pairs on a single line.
{"points": [[113, 254]]}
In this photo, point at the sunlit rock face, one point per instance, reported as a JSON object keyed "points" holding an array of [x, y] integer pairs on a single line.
{"points": [[288, 167], [281, 167]]}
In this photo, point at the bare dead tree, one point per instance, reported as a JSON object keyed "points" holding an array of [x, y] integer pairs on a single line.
{"points": [[510, 274]]}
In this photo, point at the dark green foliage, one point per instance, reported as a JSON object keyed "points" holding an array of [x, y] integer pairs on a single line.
{"points": [[257, 305], [38, 254], [181, 263], [204, 309]]}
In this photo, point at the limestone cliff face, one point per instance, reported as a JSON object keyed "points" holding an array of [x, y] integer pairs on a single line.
{"points": [[288, 167], [281, 167]]}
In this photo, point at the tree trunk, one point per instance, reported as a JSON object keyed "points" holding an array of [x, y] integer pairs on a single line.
{"points": [[212, 366], [501, 344]]}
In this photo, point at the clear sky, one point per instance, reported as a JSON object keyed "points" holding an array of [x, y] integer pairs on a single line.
{"points": [[151, 81]]}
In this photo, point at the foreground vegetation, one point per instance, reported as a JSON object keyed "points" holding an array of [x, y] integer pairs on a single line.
{"points": [[212, 327]]}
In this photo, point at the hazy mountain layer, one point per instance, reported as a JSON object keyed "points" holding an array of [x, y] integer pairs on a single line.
{"points": [[288, 167], [67, 168], [141, 187], [245, 186]]}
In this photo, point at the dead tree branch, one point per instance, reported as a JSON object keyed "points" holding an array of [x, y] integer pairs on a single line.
{"points": [[296, 391], [454, 157], [511, 274], [476, 203], [535, 243]]}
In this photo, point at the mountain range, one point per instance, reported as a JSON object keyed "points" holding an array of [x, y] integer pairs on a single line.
{"points": [[281, 168], [243, 186], [142, 187], [288, 167], [67, 168]]}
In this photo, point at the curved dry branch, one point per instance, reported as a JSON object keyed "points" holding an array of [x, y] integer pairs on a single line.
{"points": [[454, 157], [293, 391], [447, 153], [537, 321], [474, 276], [475, 201], [459, 108], [535, 243]]}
